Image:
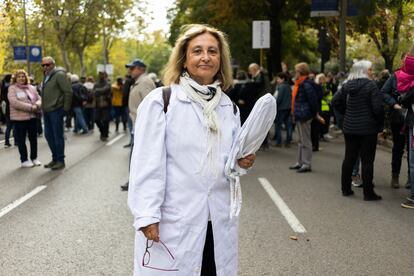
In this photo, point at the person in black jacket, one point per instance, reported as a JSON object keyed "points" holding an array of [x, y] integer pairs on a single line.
{"points": [[284, 104], [9, 123], [305, 109], [360, 101], [79, 99], [396, 115]]}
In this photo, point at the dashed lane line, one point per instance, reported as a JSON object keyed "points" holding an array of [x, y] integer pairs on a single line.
{"points": [[115, 139], [283, 208], [21, 200]]}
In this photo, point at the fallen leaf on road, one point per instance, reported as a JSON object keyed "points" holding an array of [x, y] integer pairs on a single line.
{"points": [[293, 238]]}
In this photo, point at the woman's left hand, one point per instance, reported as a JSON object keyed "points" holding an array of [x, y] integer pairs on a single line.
{"points": [[247, 162]]}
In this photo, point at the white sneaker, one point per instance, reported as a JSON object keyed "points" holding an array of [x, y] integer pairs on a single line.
{"points": [[27, 164], [328, 137], [36, 162]]}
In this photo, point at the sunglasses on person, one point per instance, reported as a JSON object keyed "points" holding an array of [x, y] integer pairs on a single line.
{"points": [[147, 256], [46, 64]]}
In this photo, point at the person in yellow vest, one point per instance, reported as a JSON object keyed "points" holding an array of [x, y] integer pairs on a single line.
{"points": [[119, 109], [325, 107]]}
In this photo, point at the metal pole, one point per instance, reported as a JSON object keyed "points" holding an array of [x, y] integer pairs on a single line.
{"points": [[261, 57], [104, 48], [26, 38], [342, 35]]}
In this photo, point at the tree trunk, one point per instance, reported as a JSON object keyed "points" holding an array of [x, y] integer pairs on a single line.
{"points": [[389, 62], [274, 58], [66, 61], [82, 63]]}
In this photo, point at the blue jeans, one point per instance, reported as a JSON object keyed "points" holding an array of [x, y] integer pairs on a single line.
{"points": [[89, 116], [411, 158], [54, 134], [22, 130], [355, 170], [283, 117], [79, 119], [9, 128]]}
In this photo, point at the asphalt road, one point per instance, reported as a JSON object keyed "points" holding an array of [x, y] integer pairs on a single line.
{"points": [[79, 224]]}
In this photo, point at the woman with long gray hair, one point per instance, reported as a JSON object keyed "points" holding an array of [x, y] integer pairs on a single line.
{"points": [[360, 101]]}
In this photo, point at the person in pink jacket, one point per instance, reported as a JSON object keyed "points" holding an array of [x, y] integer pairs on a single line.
{"points": [[24, 109]]}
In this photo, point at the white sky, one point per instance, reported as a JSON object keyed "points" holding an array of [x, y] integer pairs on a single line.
{"points": [[159, 12]]}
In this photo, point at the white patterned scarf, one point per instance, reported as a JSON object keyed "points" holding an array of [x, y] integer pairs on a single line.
{"points": [[208, 97]]}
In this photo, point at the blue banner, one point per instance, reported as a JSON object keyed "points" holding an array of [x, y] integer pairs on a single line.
{"points": [[19, 53], [324, 8], [35, 53], [324, 5]]}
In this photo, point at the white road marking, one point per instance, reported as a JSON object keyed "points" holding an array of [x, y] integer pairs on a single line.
{"points": [[284, 209], [115, 139], [19, 201]]}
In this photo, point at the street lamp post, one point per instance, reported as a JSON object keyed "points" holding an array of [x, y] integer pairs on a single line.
{"points": [[26, 38], [342, 35]]}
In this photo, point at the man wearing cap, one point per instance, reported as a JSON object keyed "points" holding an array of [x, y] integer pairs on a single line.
{"points": [[142, 86], [56, 98]]}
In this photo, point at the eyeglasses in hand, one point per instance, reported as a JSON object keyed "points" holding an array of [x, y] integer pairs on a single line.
{"points": [[147, 256]]}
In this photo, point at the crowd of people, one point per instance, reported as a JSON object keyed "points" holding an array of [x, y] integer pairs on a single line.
{"points": [[358, 104], [178, 181], [64, 102]]}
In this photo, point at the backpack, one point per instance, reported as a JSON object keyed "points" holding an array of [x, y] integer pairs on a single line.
{"points": [[166, 94]]}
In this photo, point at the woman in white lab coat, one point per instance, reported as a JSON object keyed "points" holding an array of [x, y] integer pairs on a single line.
{"points": [[178, 194]]}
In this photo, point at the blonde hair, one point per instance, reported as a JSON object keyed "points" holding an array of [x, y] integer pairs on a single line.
{"points": [[175, 65], [319, 77], [302, 68], [18, 72]]}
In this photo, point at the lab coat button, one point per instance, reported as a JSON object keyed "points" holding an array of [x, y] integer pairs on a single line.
{"points": [[197, 269]]}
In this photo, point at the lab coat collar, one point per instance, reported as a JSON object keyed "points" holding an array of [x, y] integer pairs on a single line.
{"points": [[224, 100]]}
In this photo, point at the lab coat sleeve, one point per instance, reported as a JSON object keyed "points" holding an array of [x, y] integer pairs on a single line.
{"points": [[147, 177]]}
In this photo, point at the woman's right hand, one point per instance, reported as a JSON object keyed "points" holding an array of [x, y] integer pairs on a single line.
{"points": [[397, 106], [151, 232]]}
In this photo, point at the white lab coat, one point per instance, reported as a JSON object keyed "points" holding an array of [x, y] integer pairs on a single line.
{"points": [[166, 185]]}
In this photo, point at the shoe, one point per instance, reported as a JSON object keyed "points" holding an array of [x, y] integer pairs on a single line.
{"points": [[304, 169], [410, 199], [36, 162], [328, 136], [7, 145], [356, 181], [127, 145], [125, 187], [278, 145], [103, 139], [295, 167], [348, 193], [315, 149], [27, 164], [58, 166], [372, 197], [395, 181], [287, 145], [409, 204], [49, 165], [83, 132]]}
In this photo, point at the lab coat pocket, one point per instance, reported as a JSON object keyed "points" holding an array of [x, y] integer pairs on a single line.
{"points": [[193, 245], [170, 227]]}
